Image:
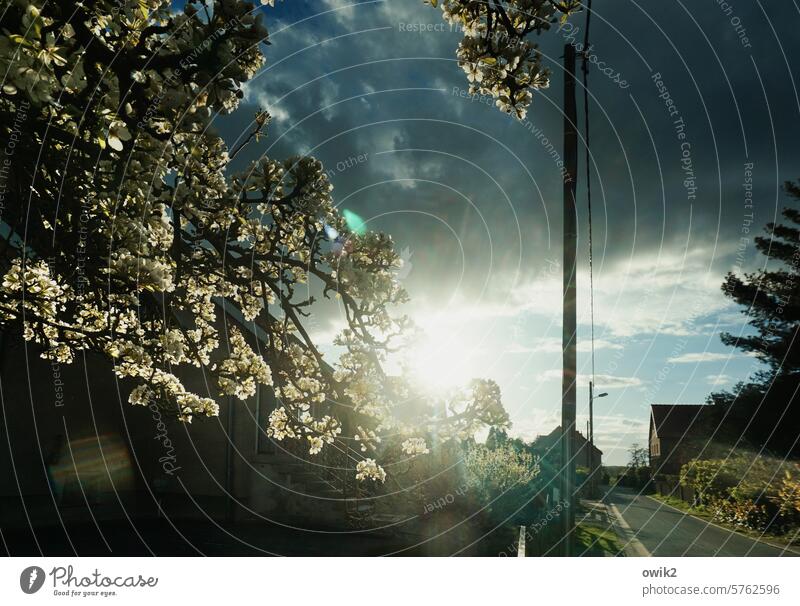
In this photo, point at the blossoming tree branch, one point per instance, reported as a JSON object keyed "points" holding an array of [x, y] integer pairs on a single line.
{"points": [[124, 234], [496, 53]]}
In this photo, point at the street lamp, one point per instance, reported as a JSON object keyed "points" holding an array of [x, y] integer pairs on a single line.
{"points": [[592, 398]]}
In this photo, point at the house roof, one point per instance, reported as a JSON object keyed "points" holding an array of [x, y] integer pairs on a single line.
{"points": [[679, 420], [551, 439]]}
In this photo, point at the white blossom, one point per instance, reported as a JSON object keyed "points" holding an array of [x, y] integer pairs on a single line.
{"points": [[118, 133], [495, 52], [170, 262], [368, 469], [415, 446], [315, 444], [141, 395]]}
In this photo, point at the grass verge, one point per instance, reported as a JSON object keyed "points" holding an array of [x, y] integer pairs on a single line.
{"points": [[596, 541]]}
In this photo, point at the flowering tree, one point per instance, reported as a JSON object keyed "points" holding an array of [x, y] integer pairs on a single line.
{"points": [[123, 233], [496, 54], [493, 471]]}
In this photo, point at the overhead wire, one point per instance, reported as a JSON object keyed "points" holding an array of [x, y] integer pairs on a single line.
{"points": [[585, 70]]}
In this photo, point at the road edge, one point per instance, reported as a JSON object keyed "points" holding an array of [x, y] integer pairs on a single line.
{"points": [[633, 547], [686, 513]]}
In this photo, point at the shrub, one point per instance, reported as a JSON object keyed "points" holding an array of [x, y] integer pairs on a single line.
{"points": [[492, 471], [744, 513], [502, 479], [749, 491], [710, 479], [788, 498]]}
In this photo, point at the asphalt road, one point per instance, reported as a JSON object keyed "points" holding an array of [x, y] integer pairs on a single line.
{"points": [[652, 528]]}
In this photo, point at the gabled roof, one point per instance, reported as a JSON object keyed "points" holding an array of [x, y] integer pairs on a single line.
{"points": [[679, 420], [550, 440]]}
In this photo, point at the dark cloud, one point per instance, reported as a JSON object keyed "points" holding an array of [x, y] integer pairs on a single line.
{"points": [[475, 196], [345, 80]]}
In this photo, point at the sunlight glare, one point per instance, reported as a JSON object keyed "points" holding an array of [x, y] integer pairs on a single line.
{"points": [[442, 360]]}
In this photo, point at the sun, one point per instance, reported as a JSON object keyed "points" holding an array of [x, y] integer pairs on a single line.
{"points": [[441, 360]]}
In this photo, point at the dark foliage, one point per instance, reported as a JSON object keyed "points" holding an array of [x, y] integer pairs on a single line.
{"points": [[765, 411]]}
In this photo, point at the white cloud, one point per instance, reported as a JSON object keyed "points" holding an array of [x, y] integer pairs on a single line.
{"points": [[653, 293], [343, 10], [611, 381], [586, 346], [696, 358], [615, 434], [721, 379], [324, 335], [255, 95], [553, 345], [602, 381]]}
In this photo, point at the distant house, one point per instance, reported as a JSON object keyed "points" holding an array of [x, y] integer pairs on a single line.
{"points": [[585, 455], [678, 433]]}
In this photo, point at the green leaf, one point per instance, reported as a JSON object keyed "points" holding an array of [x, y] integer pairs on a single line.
{"points": [[17, 39]]}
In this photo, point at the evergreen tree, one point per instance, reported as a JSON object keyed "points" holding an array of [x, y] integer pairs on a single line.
{"points": [[765, 411]]}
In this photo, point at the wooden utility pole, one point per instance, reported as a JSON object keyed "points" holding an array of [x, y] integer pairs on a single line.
{"points": [[569, 308], [590, 438], [591, 413], [588, 450]]}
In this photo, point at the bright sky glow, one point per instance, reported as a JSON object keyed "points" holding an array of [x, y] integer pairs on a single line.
{"points": [[443, 358], [473, 200]]}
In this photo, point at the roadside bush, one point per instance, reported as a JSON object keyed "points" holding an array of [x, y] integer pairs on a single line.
{"points": [[744, 513], [788, 498], [755, 492], [491, 471], [710, 480], [502, 478]]}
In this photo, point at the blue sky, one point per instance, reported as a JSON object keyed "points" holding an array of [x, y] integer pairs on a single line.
{"points": [[473, 197]]}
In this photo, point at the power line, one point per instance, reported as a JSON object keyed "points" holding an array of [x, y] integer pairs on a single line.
{"points": [[585, 70]]}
